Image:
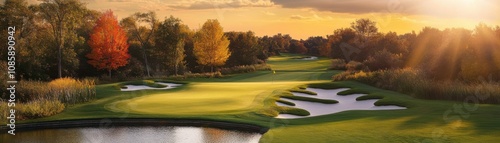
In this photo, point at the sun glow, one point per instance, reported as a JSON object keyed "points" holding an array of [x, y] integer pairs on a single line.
{"points": [[469, 9]]}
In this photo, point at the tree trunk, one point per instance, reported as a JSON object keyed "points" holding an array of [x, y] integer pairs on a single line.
{"points": [[109, 71], [59, 60], [212, 69], [61, 45], [145, 60], [176, 67]]}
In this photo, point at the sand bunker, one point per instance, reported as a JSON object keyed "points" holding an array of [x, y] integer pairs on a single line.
{"points": [[143, 87], [347, 102], [310, 58]]}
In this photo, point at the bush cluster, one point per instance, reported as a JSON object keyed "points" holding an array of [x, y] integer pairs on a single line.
{"points": [[415, 83], [66, 90], [355, 66], [35, 99], [244, 69], [338, 64], [197, 75]]}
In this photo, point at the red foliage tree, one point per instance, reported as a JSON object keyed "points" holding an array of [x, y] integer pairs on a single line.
{"points": [[109, 44]]}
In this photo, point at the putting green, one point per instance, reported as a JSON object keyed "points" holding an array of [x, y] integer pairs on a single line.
{"points": [[205, 98]]}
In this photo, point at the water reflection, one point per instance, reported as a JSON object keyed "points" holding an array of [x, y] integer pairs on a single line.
{"points": [[133, 135]]}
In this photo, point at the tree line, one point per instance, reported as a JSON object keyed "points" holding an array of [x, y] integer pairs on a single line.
{"points": [[449, 55], [63, 38]]}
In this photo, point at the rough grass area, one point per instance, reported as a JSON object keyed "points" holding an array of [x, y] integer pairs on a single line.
{"points": [[35, 99], [414, 83]]}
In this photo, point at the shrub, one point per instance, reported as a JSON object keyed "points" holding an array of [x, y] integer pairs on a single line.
{"points": [[40, 99], [4, 111], [244, 69], [383, 60], [133, 69], [32, 90], [38, 109], [71, 91], [197, 75], [66, 90], [417, 84], [355, 66], [338, 64], [4, 76]]}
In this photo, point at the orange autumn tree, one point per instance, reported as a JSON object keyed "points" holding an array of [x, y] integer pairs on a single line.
{"points": [[109, 44]]}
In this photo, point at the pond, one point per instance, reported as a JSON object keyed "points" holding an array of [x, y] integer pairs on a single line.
{"points": [[133, 135]]}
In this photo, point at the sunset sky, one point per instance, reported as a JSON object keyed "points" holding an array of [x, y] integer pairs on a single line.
{"points": [[305, 18]]}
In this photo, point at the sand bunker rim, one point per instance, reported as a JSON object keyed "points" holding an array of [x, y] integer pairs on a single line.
{"points": [[144, 87]]}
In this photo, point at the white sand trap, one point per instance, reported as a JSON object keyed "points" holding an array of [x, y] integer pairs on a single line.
{"points": [[310, 58], [143, 87], [347, 102]]}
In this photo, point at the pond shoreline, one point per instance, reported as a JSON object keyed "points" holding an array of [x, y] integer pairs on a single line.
{"points": [[137, 122]]}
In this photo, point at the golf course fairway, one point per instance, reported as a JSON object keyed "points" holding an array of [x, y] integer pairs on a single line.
{"points": [[250, 97], [206, 98]]}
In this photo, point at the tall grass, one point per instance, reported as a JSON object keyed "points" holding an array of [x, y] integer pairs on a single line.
{"points": [[37, 99], [72, 91], [415, 83], [66, 90], [38, 108], [31, 110]]}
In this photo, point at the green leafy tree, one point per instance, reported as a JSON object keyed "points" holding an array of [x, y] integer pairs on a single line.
{"points": [[314, 44], [244, 47], [141, 28], [64, 17], [169, 43], [365, 28], [298, 47]]}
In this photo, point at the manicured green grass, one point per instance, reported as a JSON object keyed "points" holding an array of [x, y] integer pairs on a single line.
{"points": [[302, 91], [204, 98], [285, 102], [251, 98], [310, 99]]}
